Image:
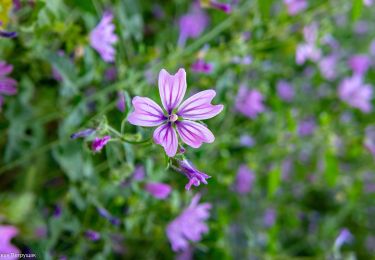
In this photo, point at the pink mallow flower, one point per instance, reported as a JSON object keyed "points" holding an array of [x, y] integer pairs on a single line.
{"points": [[103, 37], [249, 102], [6, 247], [295, 6], [359, 64], [357, 94], [244, 180], [192, 24], [158, 190], [189, 226], [99, 143], [7, 85], [195, 176], [178, 117]]}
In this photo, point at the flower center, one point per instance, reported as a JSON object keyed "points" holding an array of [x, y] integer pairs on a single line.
{"points": [[172, 118]]}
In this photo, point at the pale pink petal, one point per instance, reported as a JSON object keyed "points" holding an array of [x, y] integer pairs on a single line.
{"points": [[146, 112], [172, 88], [199, 107], [166, 136], [193, 133]]}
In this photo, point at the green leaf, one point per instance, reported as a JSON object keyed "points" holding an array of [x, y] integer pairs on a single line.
{"points": [[274, 179], [265, 8], [331, 170], [357, 9]]}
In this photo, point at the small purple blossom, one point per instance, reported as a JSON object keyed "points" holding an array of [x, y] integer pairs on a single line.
{"points": [[357, 94], [121, 102], [158, 190], [225, 7], [57, 211], [92, 235], [105, 214], [306, 127], [344, 237], [178, 117], [99, 143], [359, 64], [285, 90], [7, 85], [307, 51], [247, 60], [6, 246], [192, 24], [244, 180], [201, 66], [247, 141], [139, 173], [269, 217], [368, 2], [361, 27], [249, 102], [370, 139], [83, 133], [103, 37], [110, 74], [189, 226], [327, 66], [295, 6], [195, 176], [5, 34]]}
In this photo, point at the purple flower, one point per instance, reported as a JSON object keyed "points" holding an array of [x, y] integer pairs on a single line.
{"points": [[368, 2], [7, 85], [359, 64], [99, 143], [370, 139], [249, 102], [158, 190], [344, 237], [121, 102], [225, 7], [269, 217], [6, 235], [307, 51], [139, 173], [247, 60], [372, 48], [201, 66], [178, 117], [6, 34], [110, 74], [355, 93], [57, 211], [92, 235], [361, 27], [306, 127], [244, 180], [102, 38], [192, 24], [285, 91], [84, 133], [295, 6], [247, 140], [189, 226], [195, 177], [327, 66], [105, 214]]}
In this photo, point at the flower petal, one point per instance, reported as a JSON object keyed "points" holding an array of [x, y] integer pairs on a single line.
{"points": [[194, 134], [166, 136], [146, 112], [172, 88], [199, 107]]}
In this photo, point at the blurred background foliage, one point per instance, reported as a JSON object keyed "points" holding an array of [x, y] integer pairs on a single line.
{"points": [[314, 183]]}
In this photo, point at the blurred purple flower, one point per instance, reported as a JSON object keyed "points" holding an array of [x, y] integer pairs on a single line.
{"points": [[225, 7], [359, 64], [247, 60], [83, 133], [285, 90], [139, 173], [372, 48], [244, 180], [189, 226], [172, 89], [249, 102], [192, 24], [187, 254], [158, 190], [344, 237], [306, 127], [57, 211], [103, 37], [286, 168], [105, 214], [99, 143], [6, 247], [327, 67], [41, 232], [370, 139], [310, 33], [121, 102], [110, 74], [5, 34], [195, 176], [361, 27], [7, 85], [247, 140], [92, 235], [307, 51], [368, 2], [201, 66], [17, 5], [295, 6], [269, 217], [158, 11], [355, 93]]}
